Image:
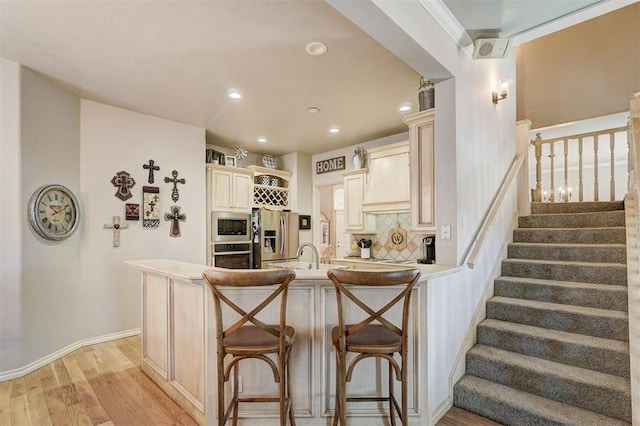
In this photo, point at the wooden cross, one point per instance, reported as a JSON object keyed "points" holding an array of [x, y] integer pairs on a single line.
{"points": [[116, 226], [175, 181], [124, 182], [176, 217], [151, 167]]}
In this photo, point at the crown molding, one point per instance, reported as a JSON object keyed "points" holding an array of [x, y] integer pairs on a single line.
{"points": [[449, 24], [569, 20]]}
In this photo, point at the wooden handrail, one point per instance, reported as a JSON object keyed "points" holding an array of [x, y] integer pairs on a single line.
{"points": [[585, 135], [473, 250]]}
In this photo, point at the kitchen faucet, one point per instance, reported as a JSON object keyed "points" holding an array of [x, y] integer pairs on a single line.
{"points": [[315, 253]]}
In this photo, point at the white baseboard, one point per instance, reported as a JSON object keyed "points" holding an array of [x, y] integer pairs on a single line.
{"points": [[441, 410], [20, 372]]}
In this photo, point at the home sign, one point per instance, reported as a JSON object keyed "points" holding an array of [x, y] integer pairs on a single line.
{"points": [[330, 165]]}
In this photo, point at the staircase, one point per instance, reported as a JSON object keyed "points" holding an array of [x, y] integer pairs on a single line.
{"points": [[554, 347]]}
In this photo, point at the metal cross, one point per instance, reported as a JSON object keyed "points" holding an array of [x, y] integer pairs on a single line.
{"points": [[124, 182], [176, 217], [175, 181], [116, 226], [151, 167]]}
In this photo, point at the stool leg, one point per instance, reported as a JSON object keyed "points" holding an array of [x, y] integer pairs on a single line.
{"points": [[292, 419], [392, 408], [403, 384], [235, 394], [220, 376], [341, 389]]}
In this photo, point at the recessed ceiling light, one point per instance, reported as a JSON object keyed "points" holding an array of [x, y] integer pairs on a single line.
{"points": [[334, 129], [316, 48], [262, 140], [313, 110], [234, 94], [404, 108]]}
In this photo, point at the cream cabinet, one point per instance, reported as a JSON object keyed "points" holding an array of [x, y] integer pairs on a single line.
{"points": [[355, 220], [387, 188], [229, 189], [422, 140], [175, 342], [271, 188]]}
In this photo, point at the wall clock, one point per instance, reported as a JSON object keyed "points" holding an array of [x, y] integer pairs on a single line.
{"points": [[54, 212]]}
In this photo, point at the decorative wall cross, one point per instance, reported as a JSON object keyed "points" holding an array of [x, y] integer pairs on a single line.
{"points": [[150, 206], [176, 217], [124, 182], [175, 181], [151, 167], [116, 226]]}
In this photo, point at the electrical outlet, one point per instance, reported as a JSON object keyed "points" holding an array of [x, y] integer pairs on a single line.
{"points": [[445, 232]]}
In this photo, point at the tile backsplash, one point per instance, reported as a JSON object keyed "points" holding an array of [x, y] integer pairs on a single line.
{"points": [[384, 224]]}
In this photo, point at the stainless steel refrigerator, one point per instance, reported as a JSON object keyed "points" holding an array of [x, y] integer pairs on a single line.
{"points": [[275, 236]]}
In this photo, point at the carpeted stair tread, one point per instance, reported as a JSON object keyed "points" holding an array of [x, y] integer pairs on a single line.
{"points": [[591, 235], [517, 408], [588, 206], [602, 296], [597, 273], [603, 253], [574, 319], [573, 220], [595, 353], [603, 393]]}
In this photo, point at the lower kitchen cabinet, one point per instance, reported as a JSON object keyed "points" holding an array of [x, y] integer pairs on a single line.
{"points": [[178, 335]]}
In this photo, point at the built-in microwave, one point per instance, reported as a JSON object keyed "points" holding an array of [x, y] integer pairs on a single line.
{"points": [[226, 226]]}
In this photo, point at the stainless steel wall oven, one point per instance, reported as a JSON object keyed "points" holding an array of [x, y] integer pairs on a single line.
{"points": [[231, 245], [232, 255]]}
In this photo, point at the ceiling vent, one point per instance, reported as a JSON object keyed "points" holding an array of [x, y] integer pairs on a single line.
{"points": [[490, 48]]}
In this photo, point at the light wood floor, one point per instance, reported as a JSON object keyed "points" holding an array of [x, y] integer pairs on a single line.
{"points": [[102, 385]]}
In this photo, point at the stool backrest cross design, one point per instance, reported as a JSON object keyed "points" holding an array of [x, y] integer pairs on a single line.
{"points": [[342, 278], [373, 334], [242, 334]]}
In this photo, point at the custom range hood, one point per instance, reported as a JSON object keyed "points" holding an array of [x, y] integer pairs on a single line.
{"points": [[388, 181]]}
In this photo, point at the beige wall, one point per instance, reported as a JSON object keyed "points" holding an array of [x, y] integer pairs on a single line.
{"points": [[584, 71]]}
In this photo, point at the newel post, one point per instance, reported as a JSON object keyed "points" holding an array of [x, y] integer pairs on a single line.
{"points": [[523, 127]]}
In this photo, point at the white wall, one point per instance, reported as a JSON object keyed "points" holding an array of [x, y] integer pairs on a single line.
{"points": [[11, 216], [54, 295], [112, 140], [51, 290]]}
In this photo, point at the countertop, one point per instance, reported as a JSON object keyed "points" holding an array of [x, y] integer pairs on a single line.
{"points": [[428, 271], [193, 271]]}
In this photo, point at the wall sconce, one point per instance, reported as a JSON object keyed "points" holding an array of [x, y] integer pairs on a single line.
{"points": [[504, 92]]}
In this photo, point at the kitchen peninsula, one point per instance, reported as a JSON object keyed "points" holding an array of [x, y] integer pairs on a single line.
{"points": [[178, 348]]}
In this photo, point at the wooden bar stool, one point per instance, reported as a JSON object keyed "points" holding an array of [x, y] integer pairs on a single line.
{"points": [[375, 336], [250, 338]]}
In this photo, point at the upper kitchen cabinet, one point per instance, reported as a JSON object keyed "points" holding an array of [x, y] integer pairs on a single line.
{"points": [[422, 140], [229, 189], [388, 188], [355, 220], [271, 188]]}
